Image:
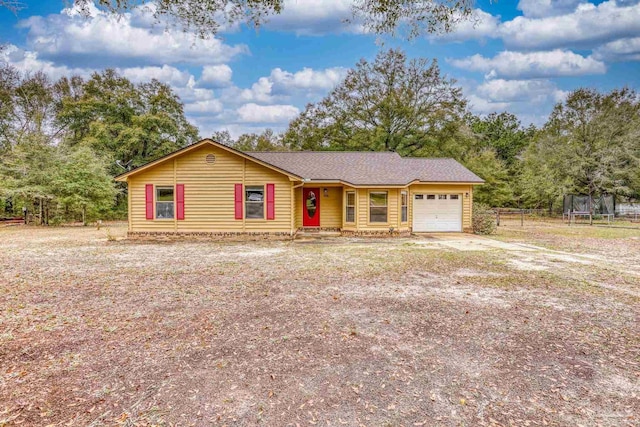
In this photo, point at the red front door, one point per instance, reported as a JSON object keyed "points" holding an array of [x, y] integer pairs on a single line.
{"points": [[311, 207]]}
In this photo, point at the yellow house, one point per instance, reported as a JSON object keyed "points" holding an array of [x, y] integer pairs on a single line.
{"points": [[210, 189]]}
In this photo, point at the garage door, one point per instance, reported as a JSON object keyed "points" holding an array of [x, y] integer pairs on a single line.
{"points": [[437, 212]]}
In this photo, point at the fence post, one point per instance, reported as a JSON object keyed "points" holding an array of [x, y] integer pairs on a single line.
{"points": [[498, 217], [521, 217]]}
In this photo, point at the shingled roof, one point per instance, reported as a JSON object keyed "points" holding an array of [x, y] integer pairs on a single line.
{"points": [[367, 168]]}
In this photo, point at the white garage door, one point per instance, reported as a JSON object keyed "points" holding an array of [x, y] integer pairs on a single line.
{"points": [[437, 212]]}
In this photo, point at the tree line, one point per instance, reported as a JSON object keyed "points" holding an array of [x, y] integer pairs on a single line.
{"points": [[589, 145], [62, 142]]}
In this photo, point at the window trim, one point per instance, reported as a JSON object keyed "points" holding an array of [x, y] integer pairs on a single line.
{"points": [[263, 202], [386, 206], [347, 206], [404, 206], [156, 201]]}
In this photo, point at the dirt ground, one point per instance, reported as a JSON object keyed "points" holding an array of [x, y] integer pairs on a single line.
{"points": [[537, 325]]}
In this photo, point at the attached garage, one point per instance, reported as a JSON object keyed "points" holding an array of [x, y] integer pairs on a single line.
{"points": [[437, 212]]}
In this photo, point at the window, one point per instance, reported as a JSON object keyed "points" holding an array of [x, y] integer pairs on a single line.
{"points": [[164, 202], [431, 196], [378, 206], [442, 197], [403, 206], [453, 197], [419, 196], [254, 202], [350, 214]]}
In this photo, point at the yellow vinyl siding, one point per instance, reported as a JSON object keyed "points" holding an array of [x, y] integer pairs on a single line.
{"points": [[362, 209], [209, 193], [349, 226], [298, 207], [461, 189], [158, 176], [259, 175], [331, 207]]}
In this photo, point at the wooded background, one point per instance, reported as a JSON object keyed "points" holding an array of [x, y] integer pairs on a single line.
{"points": [[62, 142]]}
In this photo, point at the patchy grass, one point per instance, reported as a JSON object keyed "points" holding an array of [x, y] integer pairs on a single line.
{"points": [[96, 330]]}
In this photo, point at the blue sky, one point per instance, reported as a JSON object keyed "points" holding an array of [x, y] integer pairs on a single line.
{"points": [[520, 56]]}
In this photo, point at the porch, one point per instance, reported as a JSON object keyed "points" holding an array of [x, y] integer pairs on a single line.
{"points": [[339, 208]]}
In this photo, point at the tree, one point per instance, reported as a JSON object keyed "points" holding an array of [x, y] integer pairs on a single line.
{"points": [[122, 121], [391, 104], [206, 17], [9, 80], [507, 139], [25, 174], [541, 184], [13, 5], [412, 18], [82, 183], [57, 139], [497, 190], [503, 133], [593, 140], [266, 141], [223, 137]]}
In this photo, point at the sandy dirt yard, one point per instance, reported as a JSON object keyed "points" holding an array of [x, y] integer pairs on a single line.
{"points": [[535, 326]]}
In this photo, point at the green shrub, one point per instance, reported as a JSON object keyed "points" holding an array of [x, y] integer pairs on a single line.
{"points": [[483, 219]]}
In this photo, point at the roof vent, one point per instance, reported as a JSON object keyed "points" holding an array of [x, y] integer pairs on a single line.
{"points": [[211, 159]]}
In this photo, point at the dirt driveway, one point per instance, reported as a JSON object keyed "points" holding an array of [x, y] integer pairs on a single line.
{"points": [[444, 330]]}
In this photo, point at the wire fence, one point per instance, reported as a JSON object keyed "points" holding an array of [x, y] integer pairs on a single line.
{"points": [[523, 216], [513, 213]]}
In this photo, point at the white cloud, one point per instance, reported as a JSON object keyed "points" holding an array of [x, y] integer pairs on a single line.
{"points": [[589, 25], [260, 91], [28, 62], [530, 91], [530, 100], [101, 37], [543, 8], [481, 25], [619, 50], [481, 105], [313, 17], [307, 79], [281, 86], [206, 107], [553, 63], [216, 75], [254, 113], [166, 74]]}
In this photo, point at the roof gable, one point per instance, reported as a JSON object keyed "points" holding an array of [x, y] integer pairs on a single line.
{"points": [[197, 145]]}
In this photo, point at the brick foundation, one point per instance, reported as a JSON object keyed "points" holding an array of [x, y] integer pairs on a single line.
{"points": [[376, 233], [206, 235]]}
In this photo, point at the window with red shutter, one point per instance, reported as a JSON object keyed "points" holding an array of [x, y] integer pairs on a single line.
{"points": [[271, 203], [238, 201], [180, 201], [148, 203]]}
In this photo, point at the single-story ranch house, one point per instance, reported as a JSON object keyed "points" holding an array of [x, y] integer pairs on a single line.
{"points": [[209, 188]]}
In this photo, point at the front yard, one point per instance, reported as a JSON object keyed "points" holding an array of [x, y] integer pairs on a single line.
{"points": [[536, 326]]}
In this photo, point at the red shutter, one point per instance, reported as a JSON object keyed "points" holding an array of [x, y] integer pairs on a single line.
{"points": [[180, 201], [238, 199], [148, 203], [271, 204]]}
